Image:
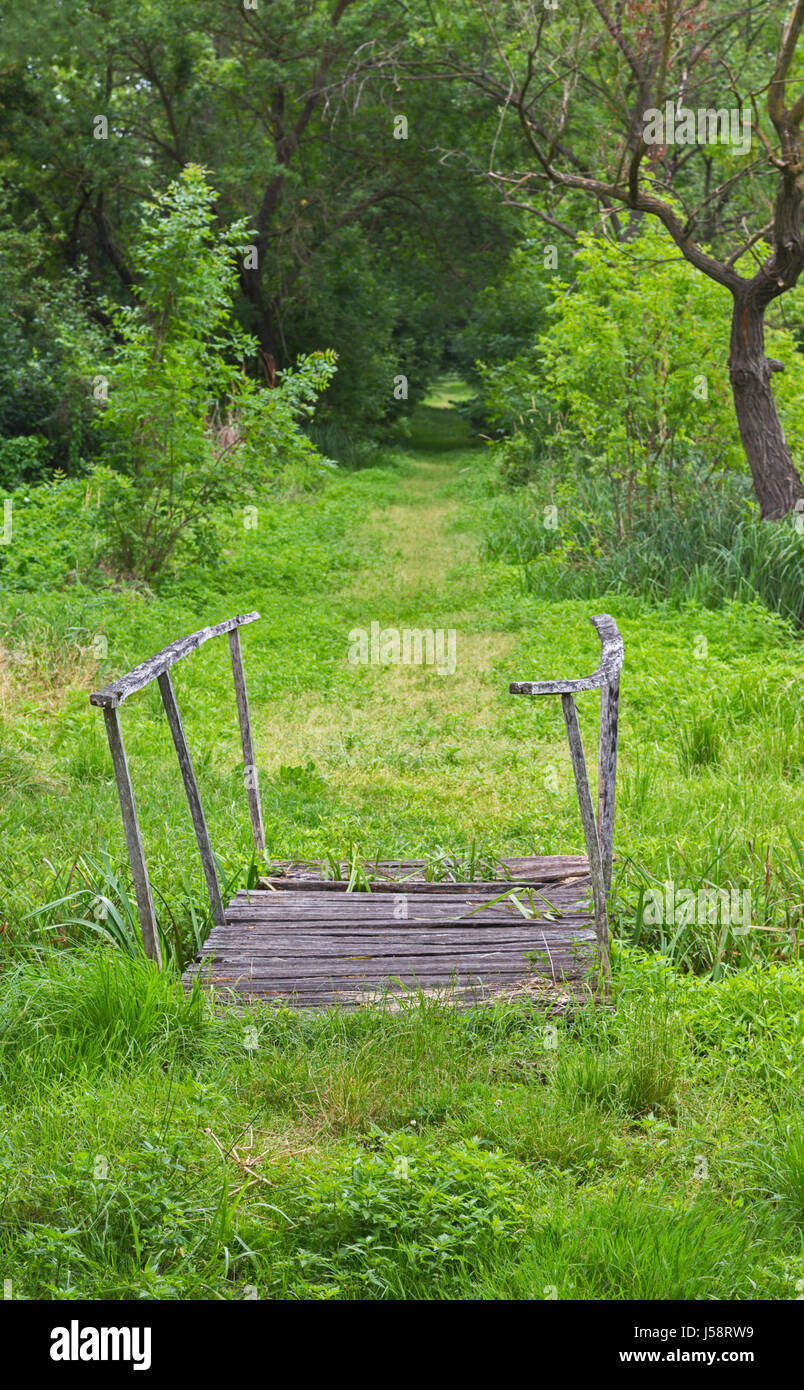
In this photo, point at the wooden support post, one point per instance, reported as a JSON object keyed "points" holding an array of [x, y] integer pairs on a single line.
{"points": [[193, 795], [607, 773], [590, 831], [249, 765], [136, 854]]}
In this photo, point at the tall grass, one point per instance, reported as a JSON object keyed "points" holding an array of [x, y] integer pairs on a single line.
{"points": [[88, 1008], [427, 1153], [772, 879], [92, 898], [712, 551]]}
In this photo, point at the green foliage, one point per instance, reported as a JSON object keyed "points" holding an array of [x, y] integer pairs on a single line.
{"points": [[23, 458], [506, 318], [45, 408], [404, 1221], [629, 381], [367, 243], [752, 1021], [57, 532], [184, 423]]}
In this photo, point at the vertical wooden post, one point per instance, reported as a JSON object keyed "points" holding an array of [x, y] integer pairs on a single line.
{"points": [[193, 795], [607, 773], [249, 765], [136, 854], [590, 831]]}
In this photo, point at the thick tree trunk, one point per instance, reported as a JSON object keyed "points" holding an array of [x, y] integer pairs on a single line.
{"points": [[262, 325], [776, 480]]}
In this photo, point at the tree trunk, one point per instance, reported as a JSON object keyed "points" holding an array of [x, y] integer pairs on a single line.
{"points": [[776, 480], [262, 325]]}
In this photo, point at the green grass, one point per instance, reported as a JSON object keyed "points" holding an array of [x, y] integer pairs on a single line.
{"points": [[652, 1152], [155, 1148]]}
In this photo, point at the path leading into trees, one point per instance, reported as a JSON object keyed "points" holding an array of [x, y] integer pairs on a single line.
{"points": [[307, 939]]}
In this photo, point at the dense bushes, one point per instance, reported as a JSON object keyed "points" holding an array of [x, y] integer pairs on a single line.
{"points": [[186, 433], [619, 448], [45, 409]]}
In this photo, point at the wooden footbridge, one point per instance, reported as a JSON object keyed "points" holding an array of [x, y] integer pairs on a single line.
{"points": [[314, 934]]}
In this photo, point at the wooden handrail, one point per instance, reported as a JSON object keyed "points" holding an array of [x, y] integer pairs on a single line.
{"points": [[611, 659], [598, 831], [139, 676], [109, 700]]}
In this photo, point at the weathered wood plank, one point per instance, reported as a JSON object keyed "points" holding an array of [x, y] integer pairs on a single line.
{"points": [[335, 886], [513, 962], [117, 691], [589, 830], [420, 972], [488, 917], [297, 935], [193, 795], [607, 774], [369, 908], [477, 891], [412, 976], [466, 995], [248, 984], [247, 742], [131, 826], [377, 951], [388, 874]]}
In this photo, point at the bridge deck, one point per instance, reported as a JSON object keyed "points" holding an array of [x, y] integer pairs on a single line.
{"points": [[307, 941]]}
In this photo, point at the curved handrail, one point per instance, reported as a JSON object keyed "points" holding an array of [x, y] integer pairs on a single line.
{"points": [[611, 659], [138, 677]]}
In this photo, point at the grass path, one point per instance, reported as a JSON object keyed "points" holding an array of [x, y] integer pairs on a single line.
{"points": [[379, 722]]}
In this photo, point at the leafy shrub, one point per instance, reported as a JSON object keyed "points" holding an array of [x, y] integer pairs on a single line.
{"points": [[629, 382], [23, 459], [184, 423], [43, 394]]}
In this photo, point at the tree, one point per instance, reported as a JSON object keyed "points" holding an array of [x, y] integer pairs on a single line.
{"points": [[176, 375], [348, 223], [585, 85]]}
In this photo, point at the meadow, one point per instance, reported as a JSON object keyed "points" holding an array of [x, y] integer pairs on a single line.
{"points": [[161, 1145]]}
